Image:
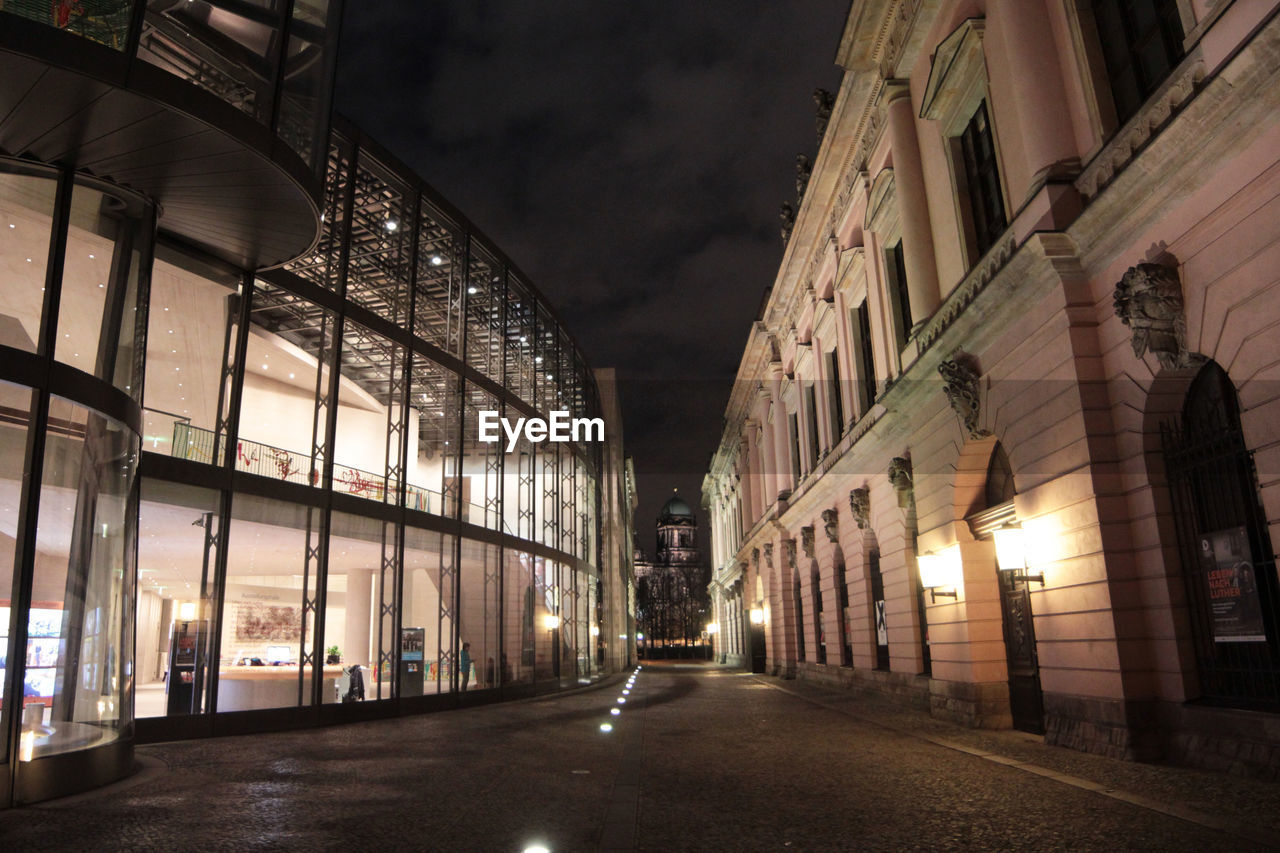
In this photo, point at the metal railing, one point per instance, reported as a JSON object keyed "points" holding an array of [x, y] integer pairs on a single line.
{"points": [[263, 460]]}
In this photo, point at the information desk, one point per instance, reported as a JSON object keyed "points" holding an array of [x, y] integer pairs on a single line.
{"points": [[246, 688]]}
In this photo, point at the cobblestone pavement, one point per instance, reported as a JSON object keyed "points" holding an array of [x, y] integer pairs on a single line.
{"points": [[699, 759]]}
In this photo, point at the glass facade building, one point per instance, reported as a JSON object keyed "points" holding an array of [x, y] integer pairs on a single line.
{"points": [[243, 481]]}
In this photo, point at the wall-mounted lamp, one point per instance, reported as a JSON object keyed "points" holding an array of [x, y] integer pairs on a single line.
{"points": [[757, 616], [940, 570], [595, 630], [713, 627], [550, 621], [1011, 552]]}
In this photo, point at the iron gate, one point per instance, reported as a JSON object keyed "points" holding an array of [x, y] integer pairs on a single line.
{"points": [[1227, 561]]}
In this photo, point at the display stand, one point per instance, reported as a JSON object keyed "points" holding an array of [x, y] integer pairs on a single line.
{"points": [[186, 667], [412, 641]]}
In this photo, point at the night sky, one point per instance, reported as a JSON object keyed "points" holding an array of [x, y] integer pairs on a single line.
{"points": [[629, 157]]}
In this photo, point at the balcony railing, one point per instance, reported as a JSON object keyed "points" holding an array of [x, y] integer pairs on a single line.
{"points": [[263, 460]]}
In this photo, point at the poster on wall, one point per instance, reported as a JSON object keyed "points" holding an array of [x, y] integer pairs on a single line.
{"points": [[1235, 613]]}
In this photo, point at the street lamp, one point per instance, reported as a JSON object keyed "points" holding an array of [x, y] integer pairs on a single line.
{"points": [[1011, 552]]}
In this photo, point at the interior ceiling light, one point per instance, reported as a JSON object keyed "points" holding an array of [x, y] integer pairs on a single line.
{"points": [[471, 290], [436, 260], [392, 225]]}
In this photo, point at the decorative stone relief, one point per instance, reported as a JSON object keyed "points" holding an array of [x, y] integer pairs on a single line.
{"points": [[755, 558], [803, 171], [823, 102], [960, 384], [768, 555], [789, 550], [901, 478], [831, 525], [788, 217], [806, 540], [860, 505], [1148, 300]]}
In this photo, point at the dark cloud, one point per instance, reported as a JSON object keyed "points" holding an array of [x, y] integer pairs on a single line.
{"points": [[630, 157]]}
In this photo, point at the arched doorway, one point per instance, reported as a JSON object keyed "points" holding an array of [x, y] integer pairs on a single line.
{"points": [[879, 619], [819, 631], [1227, 559], [842, 607], [1026, 699], [799, 602]]}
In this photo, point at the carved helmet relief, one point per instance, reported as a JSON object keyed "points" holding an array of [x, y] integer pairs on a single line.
{"points": [[768, 555], [806, 540], [960, 384], [831, 524], [1148, 299], [789, 549], [860, 506], [900, 477]]}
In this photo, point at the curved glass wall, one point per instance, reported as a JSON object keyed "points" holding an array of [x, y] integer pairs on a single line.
{"points": [[297, 509], [270, 59], [356, 540], [74, 262]]}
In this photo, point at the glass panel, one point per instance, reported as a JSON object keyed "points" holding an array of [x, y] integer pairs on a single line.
{"points": [[229, 50], [546, 621], [370, 424], [520, 339], [438, 287], [517, 487], [284, 405], [308, 68], [26, 219], [378, 259], [100, 286], [478, 619], [426, 644], [178, 529], [80, 627], [361, 579], [519, 615], [267, 620], [15, 418], [484, 315], [481, 463], [322, 266], [433, 422], [192, 322], [103, 21]]}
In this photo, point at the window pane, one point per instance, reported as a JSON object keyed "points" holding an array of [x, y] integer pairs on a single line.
{"points": [[478, 618], [26, 219], [103, 21], [426, 650], [193, 312], [15, 419], [519, 615], [370, 416], [99, 304], [80, 629], [266, 623], [177, 559], [304, 105], [358, 643], [433, 431], [282, 428]]}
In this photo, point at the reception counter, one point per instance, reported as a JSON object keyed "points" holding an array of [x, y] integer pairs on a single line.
{"points": [[246, 688]]}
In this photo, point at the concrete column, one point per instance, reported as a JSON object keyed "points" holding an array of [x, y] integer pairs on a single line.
{"points": [[913, 207], [781, 450], [355, 634]]}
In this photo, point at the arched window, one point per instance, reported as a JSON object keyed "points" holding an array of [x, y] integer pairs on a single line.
{"points": [[819, 635], [1227, 559], [799, 599]]}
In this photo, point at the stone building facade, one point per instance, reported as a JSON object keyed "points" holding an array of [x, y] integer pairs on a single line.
{"points": [[1003, 440]]}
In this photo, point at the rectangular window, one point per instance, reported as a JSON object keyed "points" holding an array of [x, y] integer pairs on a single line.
{"points": [[811, 420], [1141, 42], [835, 406], [895, 267], [793, 428], [863, 357], [982, 175]]}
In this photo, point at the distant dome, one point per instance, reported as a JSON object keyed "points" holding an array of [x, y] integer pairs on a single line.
{"points": [[676, 507]]}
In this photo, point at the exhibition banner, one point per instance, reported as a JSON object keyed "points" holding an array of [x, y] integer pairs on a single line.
{"points": [[1235, 611]]}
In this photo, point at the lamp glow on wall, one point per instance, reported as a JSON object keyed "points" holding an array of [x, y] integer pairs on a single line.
{"points": [[713, 627], [757, 616], [1011, 552], [938, 571], [550, 621]]}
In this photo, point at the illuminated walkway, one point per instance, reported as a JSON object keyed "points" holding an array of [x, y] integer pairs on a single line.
{"points": [[698, 758]]}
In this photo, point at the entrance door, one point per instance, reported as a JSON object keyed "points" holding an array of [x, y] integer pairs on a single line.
{"points": [[878, 610], [1025, 700]]}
